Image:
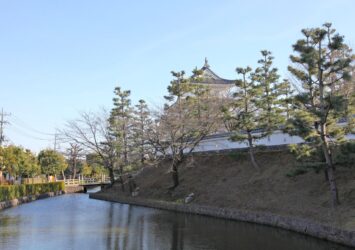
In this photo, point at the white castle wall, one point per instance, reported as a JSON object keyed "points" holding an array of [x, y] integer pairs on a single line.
{"points": [[277, 138]]}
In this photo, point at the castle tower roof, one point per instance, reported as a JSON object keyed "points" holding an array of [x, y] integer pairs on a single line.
{"points": [[209, 77]]}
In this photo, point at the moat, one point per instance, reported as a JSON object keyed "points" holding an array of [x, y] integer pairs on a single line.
{"points": [[76, 222]]}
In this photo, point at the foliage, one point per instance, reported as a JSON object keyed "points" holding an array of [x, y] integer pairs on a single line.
{"points": [[86, 170], [346, 154], [267, 78], [17, 191], [120, 122], [28, 166], [189, 115], [237, 155], [180, 201], [18, 162], [308, 158], [297, 171], [259, 104], [94, 170], [322, 65], [98, 171], [243, 114], [141, 123], [51, 162], [303, 151], [312, 159], [74, 155]]}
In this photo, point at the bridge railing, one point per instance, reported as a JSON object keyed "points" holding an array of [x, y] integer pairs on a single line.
{"points": [[87, 181], [71, 182]]}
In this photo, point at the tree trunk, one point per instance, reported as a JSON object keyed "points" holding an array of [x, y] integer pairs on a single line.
{"points": [[121, 179], [175, 174], [63, 175], [74, 169], [251, 152], [74, 173], [323, 132], [142, 149], [326, 174], [330, 168], [333, 186], [112, 177]]}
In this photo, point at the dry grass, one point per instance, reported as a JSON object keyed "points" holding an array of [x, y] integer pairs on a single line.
{"points": [[225, 181]]}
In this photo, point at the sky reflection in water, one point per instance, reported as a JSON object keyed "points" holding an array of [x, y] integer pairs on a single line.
{"points": [[76, 222]]}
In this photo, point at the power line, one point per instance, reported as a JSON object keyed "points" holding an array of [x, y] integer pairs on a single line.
{"points": [[23, 133], [55, 141], [28, 127], [22, 128]]}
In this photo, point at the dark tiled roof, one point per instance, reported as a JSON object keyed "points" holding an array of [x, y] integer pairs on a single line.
{"points": [[209, 77]]}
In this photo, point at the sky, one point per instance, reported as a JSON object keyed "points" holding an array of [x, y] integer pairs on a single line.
{"points": [[61, 57]]}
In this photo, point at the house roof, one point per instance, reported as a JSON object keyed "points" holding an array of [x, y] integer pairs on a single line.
{"points": [[209, 77]]}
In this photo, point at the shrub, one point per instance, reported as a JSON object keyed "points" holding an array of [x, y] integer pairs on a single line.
{"points": [[296, 172], [345, 155], [238, 155], [17, 191]]}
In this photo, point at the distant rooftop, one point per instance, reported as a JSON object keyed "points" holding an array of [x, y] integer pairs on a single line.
{"points": [[209, 77]]}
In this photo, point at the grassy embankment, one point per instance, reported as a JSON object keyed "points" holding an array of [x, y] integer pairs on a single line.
{"points": [[231, 181]]}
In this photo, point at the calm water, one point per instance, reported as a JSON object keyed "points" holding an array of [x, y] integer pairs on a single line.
{"points": [[77, 222]]}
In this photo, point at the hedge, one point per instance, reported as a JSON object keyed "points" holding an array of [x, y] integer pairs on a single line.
{"points": [[16, 191]]}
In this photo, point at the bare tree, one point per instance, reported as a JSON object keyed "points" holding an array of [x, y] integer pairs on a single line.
{"points": [[74, 154], [181, 126], [91, 132]]}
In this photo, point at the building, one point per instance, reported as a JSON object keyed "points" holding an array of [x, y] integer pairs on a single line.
{"points": [[217, 85]]}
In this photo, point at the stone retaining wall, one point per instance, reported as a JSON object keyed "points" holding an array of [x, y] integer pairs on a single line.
{"points": [[303, 226], [74, 189], [26, 199]]}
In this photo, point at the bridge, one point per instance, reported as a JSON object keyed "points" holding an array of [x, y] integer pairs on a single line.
{"points": [[88, 182]]}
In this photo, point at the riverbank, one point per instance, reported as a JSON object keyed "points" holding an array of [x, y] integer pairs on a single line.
{"points": [[27, 199], [299, 225], [228, 186]]}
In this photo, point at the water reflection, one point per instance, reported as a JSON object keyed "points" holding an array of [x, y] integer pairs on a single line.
{"points": [[75, 222]]}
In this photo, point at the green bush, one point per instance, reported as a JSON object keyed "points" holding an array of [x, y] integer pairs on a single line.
{"points": [[296, 172], [17, 191], [238, 155], [345, 155]]}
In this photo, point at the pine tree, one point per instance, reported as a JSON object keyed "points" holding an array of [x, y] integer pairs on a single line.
{"points": [[176, 119], [267, 78], [120, 127], [141, 124], [321, 65], [120, 120], [285, 100], [243, 114]]}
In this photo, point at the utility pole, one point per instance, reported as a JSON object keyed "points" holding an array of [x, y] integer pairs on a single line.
{"points": [[2, 125]]}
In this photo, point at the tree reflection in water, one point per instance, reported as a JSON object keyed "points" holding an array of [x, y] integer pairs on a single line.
{"points": [[76, 222]]}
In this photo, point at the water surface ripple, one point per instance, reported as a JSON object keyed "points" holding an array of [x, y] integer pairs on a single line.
{"points": [[76, 222]]}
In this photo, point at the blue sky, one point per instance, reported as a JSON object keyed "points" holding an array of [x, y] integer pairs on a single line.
{"points": [[60, 57]]}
